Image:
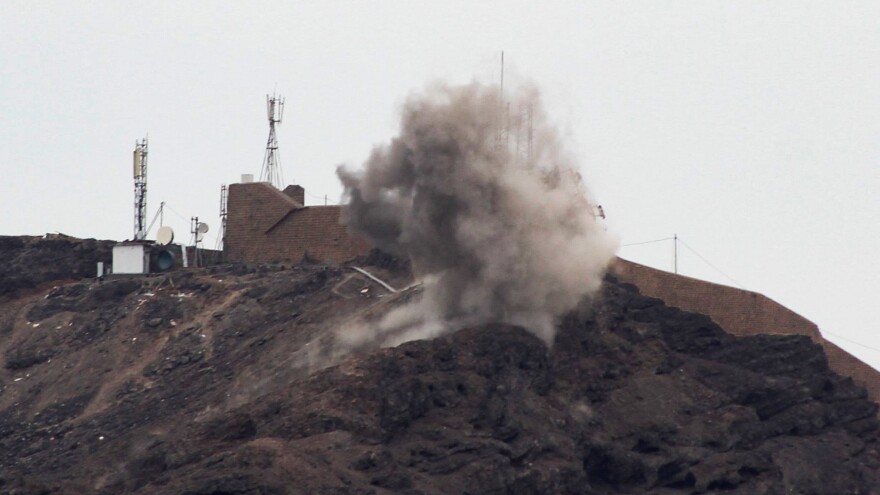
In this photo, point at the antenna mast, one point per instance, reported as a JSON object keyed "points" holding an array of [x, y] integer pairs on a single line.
{"points": [[140, 190], [194, 229], [271, 169], [221, 237], [503, 131], [502, 77]]}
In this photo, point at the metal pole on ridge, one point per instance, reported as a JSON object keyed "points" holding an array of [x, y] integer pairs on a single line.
{"points": [[675, 253]]}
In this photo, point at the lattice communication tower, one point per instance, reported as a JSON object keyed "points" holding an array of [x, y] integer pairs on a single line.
{"points": [[140, 190], [271, 168], [221, 237]]}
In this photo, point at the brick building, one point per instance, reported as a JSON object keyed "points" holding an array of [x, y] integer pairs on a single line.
{"points": [[266, 225]]}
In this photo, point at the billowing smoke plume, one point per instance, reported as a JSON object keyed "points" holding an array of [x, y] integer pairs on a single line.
{"points": [[480, 196]]}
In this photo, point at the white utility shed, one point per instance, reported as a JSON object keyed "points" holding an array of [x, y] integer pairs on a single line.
{"points": [[131, 259]]}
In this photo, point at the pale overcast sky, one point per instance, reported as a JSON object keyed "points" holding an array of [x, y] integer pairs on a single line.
{"points": [[748, 128]]}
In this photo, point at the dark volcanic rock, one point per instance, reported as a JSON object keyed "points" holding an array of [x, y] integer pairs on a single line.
{"points": [[213, 384], [29, 262], [492, 410]]}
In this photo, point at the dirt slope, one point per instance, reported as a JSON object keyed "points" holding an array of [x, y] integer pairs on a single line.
{"points": [[207, 382]]}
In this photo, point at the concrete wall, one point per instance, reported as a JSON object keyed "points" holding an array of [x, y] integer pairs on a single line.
{"points": [[741, 312], [266, 225]]}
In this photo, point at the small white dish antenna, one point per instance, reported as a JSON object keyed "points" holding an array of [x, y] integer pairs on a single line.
{"points": [[202, 228], [165, 235]]}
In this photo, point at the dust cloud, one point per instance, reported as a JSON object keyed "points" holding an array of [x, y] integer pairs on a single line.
{"points": [[479, 193]]}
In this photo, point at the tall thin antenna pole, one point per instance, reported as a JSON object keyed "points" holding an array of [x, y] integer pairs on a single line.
{"points": [[194, 228], [271, 168], [502, 77], [502, 135], [675, 253], [140, 189]]}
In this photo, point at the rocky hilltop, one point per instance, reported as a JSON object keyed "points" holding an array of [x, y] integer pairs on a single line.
{"points": [[218, 381], [30, 261]]}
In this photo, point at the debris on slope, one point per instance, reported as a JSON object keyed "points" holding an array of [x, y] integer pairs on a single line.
{"points": [[213, 381]]}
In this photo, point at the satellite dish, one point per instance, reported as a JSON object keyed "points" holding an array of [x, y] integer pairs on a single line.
{"points": [[165, 260], [202, 228], [164, 235]]}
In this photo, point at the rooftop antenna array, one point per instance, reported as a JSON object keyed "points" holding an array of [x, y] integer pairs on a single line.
{"points": [[271, 169], [140, 190]]}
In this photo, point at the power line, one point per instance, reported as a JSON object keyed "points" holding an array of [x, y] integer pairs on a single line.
{"points": [[324, 197], [677, 239], [710, 264], [172, 210], [647, 242], [825, 332]]}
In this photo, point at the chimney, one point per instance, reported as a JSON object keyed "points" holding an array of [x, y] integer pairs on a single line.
{"points": [[297, 193]]}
